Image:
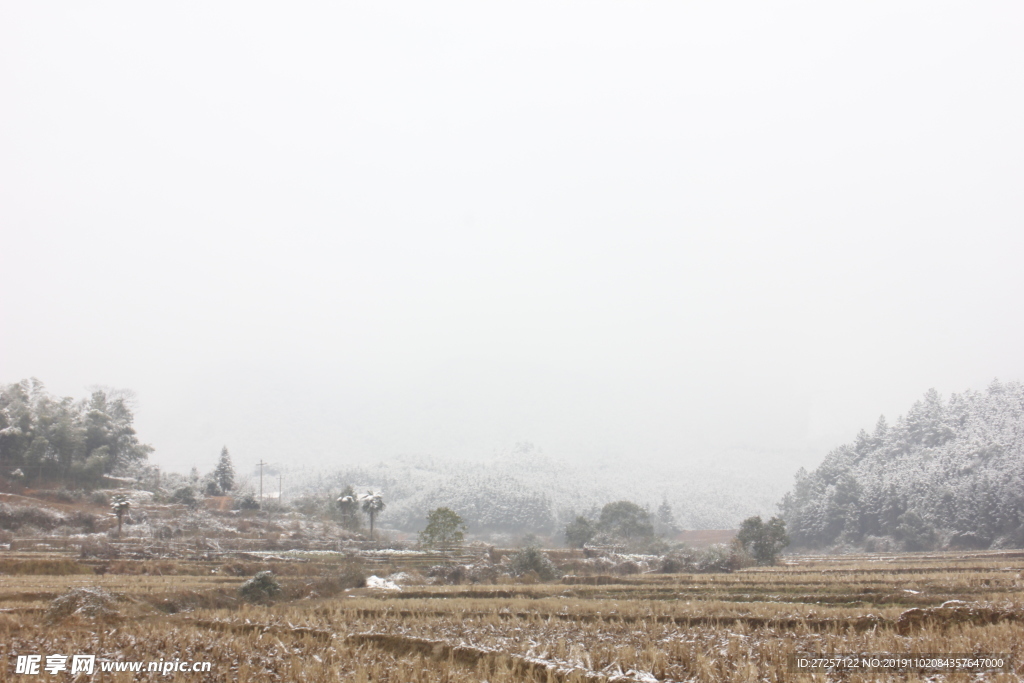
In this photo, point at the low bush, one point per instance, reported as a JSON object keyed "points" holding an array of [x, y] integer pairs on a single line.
{"points": [[94, 603], [723, 558], [247, 502], [13, 518], [86, 521], [261, 588], [329, 584], [626, 568], [99, 548], [450, 574], [533, 559], [713, 559], [67, 496], [185, 496]]}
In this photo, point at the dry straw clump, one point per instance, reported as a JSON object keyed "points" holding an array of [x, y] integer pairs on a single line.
{"points": [[92, 603]]}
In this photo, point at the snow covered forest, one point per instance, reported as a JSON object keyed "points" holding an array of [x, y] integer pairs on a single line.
{"points": [[524, 491], [948, 474], [75, 441]]}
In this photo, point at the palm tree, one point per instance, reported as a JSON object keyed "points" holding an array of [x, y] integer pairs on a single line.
{"points": [[349, 504], [120, 507], [373, 504]]}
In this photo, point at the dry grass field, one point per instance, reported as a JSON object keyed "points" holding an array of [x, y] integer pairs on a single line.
{"points": [[650, 627]]}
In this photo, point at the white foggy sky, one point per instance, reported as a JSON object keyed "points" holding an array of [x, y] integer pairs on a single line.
{"points": [[320, 232]]}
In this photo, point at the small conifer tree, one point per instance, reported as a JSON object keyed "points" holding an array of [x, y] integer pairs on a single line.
{"points": [[225, 473]]}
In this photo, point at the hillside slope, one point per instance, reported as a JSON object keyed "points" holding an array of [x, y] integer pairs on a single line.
{"points": [[948, 474], [524, 491]]}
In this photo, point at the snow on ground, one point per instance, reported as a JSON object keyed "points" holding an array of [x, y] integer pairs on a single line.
{"points": [[377, 583]]}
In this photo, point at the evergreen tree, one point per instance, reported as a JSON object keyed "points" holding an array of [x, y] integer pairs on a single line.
{"points": [[579, 532], [625, 521], [948, 473], [224, 474], [666, 518], [48, 437], [763, 541], [444, 529]]}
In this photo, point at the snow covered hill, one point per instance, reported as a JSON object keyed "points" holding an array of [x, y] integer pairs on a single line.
{"points": [[948, 474], [524, 491]]}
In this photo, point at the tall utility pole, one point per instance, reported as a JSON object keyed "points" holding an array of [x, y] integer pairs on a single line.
{"points": [[280, 488], [261, 464]]}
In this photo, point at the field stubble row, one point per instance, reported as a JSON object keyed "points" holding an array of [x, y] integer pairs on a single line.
{"points": [[708, 631]]}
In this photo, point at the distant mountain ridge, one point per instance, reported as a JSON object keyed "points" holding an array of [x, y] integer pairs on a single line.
{"points": [[948, 474], [523, 490]]}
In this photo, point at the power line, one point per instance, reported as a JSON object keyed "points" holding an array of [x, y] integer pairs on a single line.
{"points": [[261, 464]]}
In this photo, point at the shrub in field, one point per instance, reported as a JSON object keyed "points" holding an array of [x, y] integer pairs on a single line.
{"points": [[238, 568], [713, 559], [721, 558], [451, 574], [185, 496], [588, 566], [100, 548], [681, 561], [626, 568], [86, 521], [454, 574], [346, 575], [68, 496], [482, 572], [260, 588], [94, 603], [247, 502], [351, 575], [274, 507], [13, 518], [532, 559]]}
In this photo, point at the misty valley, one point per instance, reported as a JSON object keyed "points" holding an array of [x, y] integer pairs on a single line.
{"points": [[519, 569]]}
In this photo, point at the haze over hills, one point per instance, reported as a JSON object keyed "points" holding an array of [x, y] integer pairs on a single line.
{"points": [[948, 473], [524, 491], [682, 248], [75, 443]]}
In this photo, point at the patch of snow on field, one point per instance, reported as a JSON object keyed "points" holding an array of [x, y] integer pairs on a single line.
{"points": [[377, 583]]}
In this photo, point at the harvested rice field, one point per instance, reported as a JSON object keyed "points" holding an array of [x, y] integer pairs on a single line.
{"points": [[743, 626]]}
